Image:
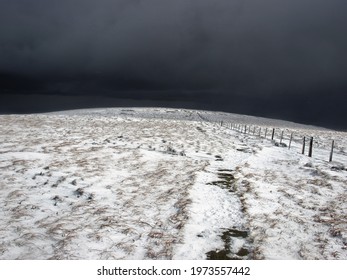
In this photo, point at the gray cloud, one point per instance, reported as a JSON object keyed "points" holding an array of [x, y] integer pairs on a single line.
{"points": [[249, 48]]}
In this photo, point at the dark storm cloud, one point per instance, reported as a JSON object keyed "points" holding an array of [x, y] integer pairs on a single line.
{"points": [[232, 50]]}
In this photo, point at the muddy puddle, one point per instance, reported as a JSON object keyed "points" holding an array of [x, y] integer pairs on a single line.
{"points": [[237, 246], [225, 180]]}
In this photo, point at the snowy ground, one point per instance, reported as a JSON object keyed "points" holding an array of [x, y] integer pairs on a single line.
{"points": [[167, 184]]}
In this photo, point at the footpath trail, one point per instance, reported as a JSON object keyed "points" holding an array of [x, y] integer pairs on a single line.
{"points": [[217, 227]]}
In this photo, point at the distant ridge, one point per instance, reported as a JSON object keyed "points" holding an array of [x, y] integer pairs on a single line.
{"points": [[184, 114]]}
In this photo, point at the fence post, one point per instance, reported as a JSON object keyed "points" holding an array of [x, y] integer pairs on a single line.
{"points": [[290, 140], [281, 137], [273, 134], [265, 132], [303, 146], [259, 131], [310, 148], [253, 130], [332, 151]]}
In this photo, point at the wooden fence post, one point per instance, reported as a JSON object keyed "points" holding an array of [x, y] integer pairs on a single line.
{"points": [[265, 132], [332, 151], [281, 137], [259, 131], [273, 134], [310, 148], [290, 140], [303, 146]]}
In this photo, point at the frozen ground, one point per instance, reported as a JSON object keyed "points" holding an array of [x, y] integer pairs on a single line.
{"points": [[168, 184]]}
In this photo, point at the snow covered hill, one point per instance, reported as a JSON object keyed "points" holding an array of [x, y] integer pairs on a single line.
{"points": [[156, 183]]}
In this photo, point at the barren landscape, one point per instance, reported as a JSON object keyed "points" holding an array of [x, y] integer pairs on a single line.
{"points": [[168, 184]]}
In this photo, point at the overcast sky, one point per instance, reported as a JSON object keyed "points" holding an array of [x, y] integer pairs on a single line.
{"points": [[277, 58]]}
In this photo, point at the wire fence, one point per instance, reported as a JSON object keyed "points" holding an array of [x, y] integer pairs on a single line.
{"points": [[316, 144]]}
